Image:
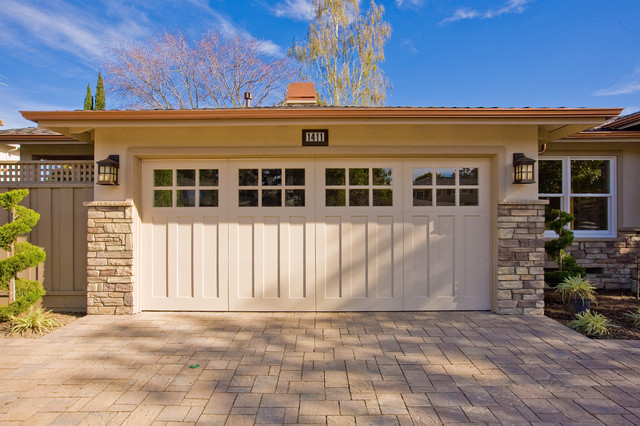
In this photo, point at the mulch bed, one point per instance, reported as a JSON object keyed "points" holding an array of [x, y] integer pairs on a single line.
{"points": [[63, 317], [611, 303]]}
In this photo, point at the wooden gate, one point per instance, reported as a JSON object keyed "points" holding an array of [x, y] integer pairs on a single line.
{"points": [[57, 191]]}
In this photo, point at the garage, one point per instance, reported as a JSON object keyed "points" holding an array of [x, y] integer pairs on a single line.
{"points": [[339, 234], [319, 208]]}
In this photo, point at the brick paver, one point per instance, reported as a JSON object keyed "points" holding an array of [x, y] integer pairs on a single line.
{"points": [[319, 368]]}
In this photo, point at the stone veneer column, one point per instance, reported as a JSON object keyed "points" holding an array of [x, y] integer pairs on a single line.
{"points": [[521, 258], [110, 257]]}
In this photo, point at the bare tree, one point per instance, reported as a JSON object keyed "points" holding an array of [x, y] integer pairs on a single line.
{"points": [[343, 52], [169, 72]]}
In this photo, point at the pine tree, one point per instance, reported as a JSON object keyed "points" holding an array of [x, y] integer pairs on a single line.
{"points": [[100, 96], [22, 255], [88, 100]]}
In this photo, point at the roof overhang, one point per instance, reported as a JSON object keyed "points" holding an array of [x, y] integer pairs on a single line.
{"points": [[553, 123], [603, 136], [38, 139]]}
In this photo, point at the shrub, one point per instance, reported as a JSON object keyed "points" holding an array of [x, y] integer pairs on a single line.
{"points": [[557, 220], [576, 287], [23, 255], [635, 316], [591, 324], [27, 294], [37, 320]]}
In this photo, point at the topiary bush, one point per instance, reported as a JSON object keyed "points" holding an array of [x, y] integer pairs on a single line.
{"points": [[557, 221], [28, 293], [22, 255]]}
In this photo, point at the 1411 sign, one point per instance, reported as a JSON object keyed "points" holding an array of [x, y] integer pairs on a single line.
{"points": [[315, 137]]}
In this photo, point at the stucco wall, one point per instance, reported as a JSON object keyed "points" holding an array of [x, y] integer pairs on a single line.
{"points": [[383, 140]]}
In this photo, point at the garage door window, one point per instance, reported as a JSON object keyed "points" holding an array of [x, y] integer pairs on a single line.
{"points": [[271, 187], [364, 187], [185, 188], [451, 186]]}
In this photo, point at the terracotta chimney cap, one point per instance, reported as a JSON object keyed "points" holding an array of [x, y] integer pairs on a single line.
{"points": [[301, 93]]}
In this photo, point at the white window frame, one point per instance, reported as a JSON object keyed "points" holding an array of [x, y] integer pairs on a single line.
{"points": [[566, 195]]}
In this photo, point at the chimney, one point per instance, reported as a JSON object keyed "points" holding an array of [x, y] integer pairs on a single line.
{"points": [[247, 99], [301, 94]]}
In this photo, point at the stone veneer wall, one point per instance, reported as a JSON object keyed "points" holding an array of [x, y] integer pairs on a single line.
{"points": [[110, 257], [616, 258], [521, 258]]}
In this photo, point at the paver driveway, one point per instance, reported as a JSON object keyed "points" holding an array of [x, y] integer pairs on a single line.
{"points": [[343, 368]]}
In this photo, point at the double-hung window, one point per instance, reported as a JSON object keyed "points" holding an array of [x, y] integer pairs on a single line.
{"points": [[584, 187]]}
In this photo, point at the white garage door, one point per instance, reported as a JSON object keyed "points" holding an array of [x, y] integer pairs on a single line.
{"points": [[271, 236], [184, 236], [324, 235]]}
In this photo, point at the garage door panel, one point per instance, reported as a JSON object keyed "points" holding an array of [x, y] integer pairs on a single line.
{"points": [[158, 248], [444, 261], [477, 267], [293, 257], [272, 235], [184, 260], [184, 248], [382, 257], [447, 235], [267, 256], [329, 257], [358, 259], [243, 242], [359, 234]]}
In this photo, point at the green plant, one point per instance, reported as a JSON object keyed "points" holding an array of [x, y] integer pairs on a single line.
{"points": [[37, 320], [557, 221], [635, 316], [100, 102], [576, 287], [88, 99], [22, 255], [592, 324], [27, 294]]}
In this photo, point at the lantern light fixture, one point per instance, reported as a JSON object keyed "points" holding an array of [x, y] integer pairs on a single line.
{"points": [[523, 169], [108, 170]]}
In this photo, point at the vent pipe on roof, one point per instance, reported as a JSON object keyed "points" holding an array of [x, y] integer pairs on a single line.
{"points": [[247, 99]]}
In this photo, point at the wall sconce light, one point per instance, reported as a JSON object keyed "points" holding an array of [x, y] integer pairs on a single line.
{"points": [[523, 168], [108, 170]]}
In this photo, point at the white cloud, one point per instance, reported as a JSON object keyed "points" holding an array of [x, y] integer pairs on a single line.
{"points": [[228, 27], [409, 3], [52, 28], [301, 10], [630, 110], [512, 6], [629, 84], [408, 44], [60, 26]]}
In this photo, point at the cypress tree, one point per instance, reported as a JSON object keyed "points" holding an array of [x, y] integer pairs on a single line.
{"points": [[100, 96], [88, 100]]}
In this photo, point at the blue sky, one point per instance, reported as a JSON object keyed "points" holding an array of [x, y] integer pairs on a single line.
{"points": [[467, 53]]}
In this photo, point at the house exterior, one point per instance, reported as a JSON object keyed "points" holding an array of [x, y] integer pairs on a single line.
{"points": [[58, 171], [595, 175], [306, 208]]}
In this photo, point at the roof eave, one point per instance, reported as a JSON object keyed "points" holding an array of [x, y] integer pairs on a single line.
{"points": [[597, 114], [603, 136]]}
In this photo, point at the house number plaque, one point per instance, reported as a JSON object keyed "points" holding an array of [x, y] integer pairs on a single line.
{"points": [[315, 137]]}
